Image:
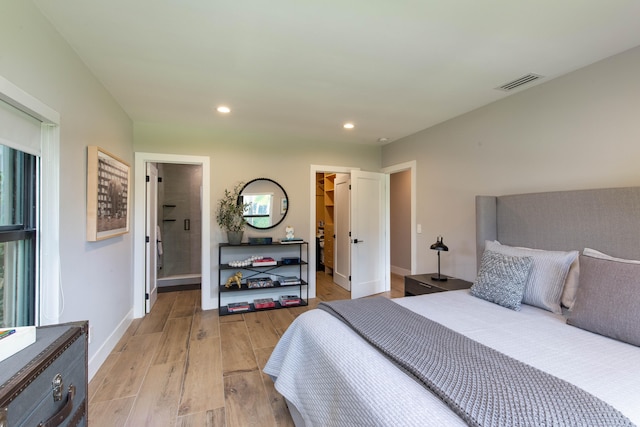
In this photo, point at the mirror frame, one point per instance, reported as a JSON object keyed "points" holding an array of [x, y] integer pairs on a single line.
{"points": [[286, 196]]}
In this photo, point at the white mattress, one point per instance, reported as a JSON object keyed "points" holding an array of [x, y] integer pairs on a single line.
{"points": [[334, 378]]}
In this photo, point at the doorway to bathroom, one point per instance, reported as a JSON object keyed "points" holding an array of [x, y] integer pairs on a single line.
{"points": [[179, 226], [145, 238]]}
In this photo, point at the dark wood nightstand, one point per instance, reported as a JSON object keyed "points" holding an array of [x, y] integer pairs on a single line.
{"points": [[419, 284]]}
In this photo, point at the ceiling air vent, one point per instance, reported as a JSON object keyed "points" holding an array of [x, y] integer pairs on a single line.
{"points": [[519, 82]]}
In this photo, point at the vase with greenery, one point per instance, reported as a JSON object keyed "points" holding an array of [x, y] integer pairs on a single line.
{"points": [[230, 214]]}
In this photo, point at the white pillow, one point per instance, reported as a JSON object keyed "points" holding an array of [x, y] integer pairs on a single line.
{"points": [[571, 284], [596, 254], [547, 276]]}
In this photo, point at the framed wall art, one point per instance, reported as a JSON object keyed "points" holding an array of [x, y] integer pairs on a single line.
{"points": [[108, 180]]}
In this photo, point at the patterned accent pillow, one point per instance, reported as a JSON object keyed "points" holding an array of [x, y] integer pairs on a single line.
{"points": [[502, 279], [548, 274]]}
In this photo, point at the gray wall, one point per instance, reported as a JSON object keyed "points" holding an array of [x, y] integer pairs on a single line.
{"points": [[95, 276], [574, 132]]}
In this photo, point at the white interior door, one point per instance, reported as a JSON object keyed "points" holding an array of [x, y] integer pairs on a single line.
{"points": [[342, 224], [368, 233], [151, 255]]}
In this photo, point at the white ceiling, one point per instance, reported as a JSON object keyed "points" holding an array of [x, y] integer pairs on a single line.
{"points": [[303, 67]]}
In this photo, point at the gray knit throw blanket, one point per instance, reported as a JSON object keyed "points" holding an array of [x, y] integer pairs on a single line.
{"points": [[480, 384]]}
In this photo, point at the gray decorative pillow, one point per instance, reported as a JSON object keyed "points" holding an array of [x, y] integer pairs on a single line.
{"points": [[502, 279], [547, 277], [608, 299]]}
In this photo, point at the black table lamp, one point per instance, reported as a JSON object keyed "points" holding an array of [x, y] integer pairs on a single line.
{"points": [[439, 246]]}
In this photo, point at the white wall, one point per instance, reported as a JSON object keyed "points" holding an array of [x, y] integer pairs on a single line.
{"points": [[575, 132], [95, 277]]}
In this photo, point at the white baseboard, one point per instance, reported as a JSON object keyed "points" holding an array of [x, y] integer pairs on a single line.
{"points": [[209, 303], [400, 271], [180, 279], [110, 343]]}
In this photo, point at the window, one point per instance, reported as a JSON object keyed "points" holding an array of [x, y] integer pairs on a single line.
{"points": [[18, 221], [259, 209]]}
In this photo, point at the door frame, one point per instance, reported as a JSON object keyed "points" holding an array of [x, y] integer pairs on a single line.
{"points": [[312, 217], [139, 262], [410, 165], [401, 167]]}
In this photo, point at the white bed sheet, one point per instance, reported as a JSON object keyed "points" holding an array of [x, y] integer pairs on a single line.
{"points": [[334, 378]]}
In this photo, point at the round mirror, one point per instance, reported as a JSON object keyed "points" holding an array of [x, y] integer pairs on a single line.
{"points": [[267, 203]]}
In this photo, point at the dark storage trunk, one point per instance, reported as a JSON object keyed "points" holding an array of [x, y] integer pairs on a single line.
{"points": [[46, 382]]}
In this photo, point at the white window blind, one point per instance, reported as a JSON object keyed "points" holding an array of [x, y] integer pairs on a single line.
{"points": [[19, 130]]}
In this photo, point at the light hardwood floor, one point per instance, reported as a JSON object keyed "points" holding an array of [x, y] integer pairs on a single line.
{"points": [[181, 366]]}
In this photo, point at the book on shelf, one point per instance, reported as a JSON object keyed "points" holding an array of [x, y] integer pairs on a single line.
{"points": [[260, 303], [235, 307], [15, 339], [264, 262], [289, 280], [289, 300], [291, 241], [259, 282]]}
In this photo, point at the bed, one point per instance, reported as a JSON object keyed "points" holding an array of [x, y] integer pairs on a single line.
{"points": [[561, 250]]}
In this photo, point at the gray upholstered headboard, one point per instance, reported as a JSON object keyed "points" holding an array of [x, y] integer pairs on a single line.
{"points": [[607, 220]]}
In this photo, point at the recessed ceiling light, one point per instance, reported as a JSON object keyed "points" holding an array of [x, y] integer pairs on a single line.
{"points": [[223, 109], [348, 126]]}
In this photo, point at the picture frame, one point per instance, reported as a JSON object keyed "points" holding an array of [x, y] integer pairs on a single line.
{"points": [[284, 204], [108, 190]]}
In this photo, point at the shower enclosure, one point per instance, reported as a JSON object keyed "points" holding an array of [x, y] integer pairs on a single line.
{"points": [[179, 224]]}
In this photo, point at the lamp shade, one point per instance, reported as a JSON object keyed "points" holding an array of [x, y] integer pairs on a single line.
{"points": [[439, 245]]}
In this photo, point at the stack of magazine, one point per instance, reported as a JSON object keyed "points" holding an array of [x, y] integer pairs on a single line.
{"points": [[236, 307], [289, 300], [290, 241], [264, 262], [289, 280], [261, 303]]}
